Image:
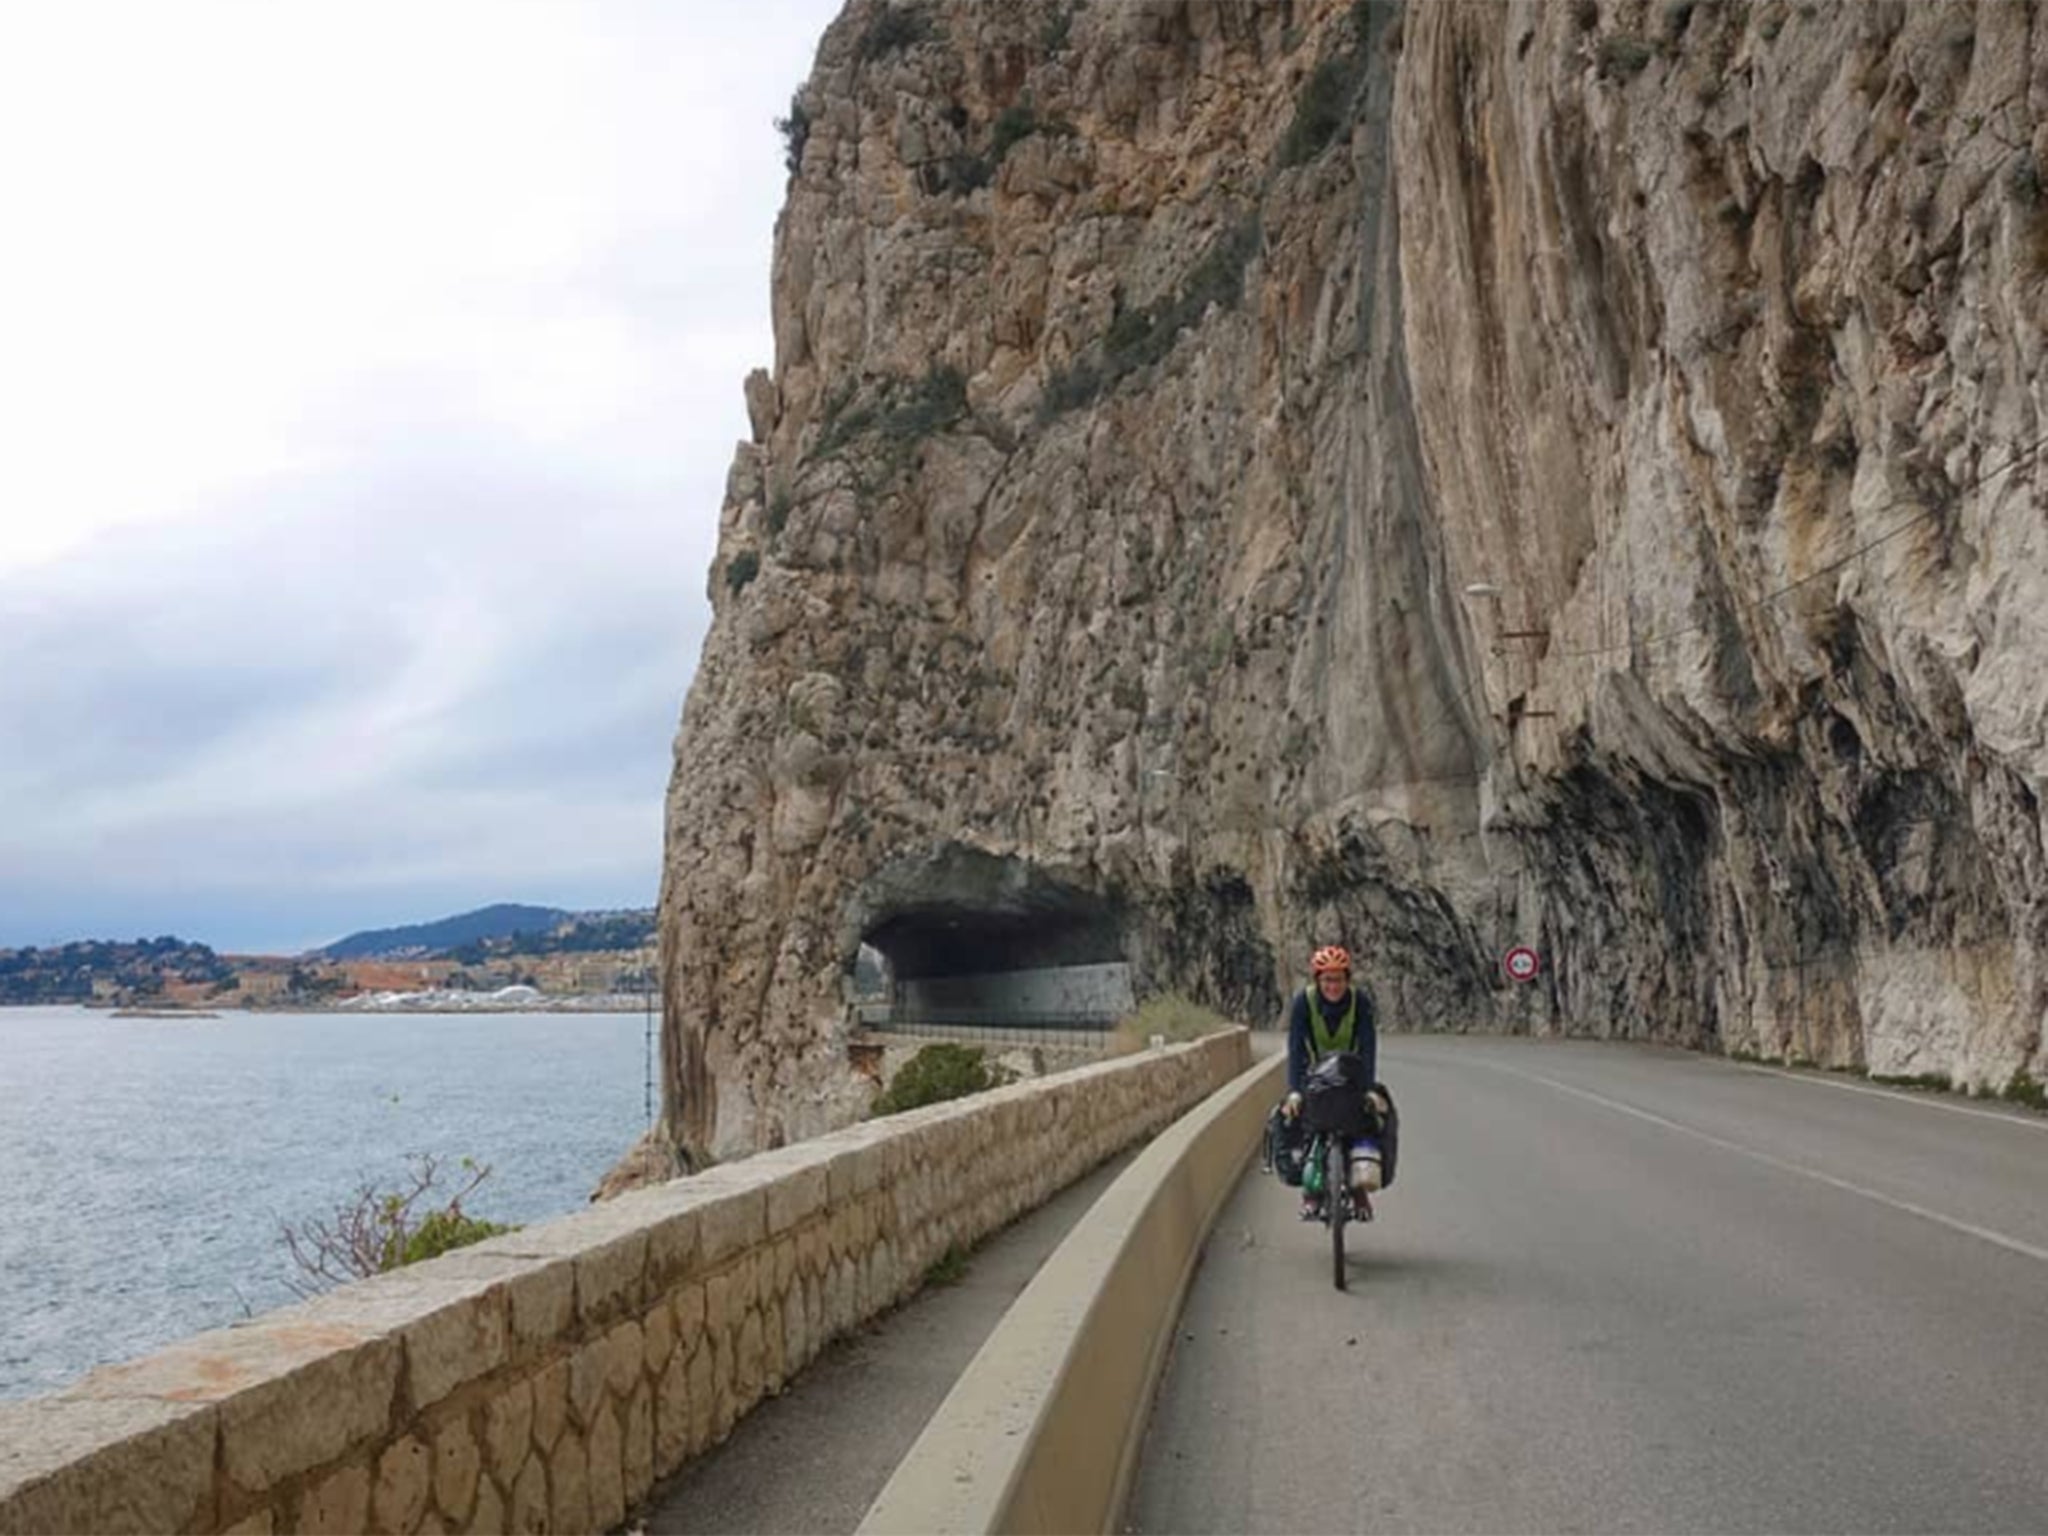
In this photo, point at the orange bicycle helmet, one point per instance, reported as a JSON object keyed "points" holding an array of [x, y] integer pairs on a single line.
{"points": [[1331, 957]]}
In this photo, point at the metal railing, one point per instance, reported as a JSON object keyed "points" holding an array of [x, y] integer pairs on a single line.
{"points": [[988, 1026]]}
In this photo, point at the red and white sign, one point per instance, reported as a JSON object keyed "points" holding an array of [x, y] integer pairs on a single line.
{"points": [[1521, 964]]}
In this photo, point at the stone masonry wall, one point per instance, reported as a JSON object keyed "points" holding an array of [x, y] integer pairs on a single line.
{"points": [[544, 1380]]}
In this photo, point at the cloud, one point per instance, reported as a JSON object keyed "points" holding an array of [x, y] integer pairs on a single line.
{"points": [[423, 671], [375, 371]]}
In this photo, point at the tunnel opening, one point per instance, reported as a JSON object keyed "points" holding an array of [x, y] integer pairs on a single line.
{"points": [[971, 939]]}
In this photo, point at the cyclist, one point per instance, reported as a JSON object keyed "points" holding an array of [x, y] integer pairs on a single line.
{"points": [[1329, 1015]]}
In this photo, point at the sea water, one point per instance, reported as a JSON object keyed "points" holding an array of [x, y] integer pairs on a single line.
{"points": [[146, 1166]]}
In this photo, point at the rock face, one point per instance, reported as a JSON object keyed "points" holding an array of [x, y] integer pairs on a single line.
{"points": [[1155, 384]]}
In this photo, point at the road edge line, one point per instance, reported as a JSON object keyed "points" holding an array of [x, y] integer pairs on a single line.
{"points": [[1989, 1235]]}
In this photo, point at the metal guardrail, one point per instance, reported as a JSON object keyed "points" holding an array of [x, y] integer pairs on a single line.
{"points": [[989, 1026]]}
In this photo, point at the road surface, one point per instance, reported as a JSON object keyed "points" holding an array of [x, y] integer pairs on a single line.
{"points": [[1625, 1289]]}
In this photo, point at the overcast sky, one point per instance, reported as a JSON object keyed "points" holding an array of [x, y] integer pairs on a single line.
{"points": [[369, 379]]}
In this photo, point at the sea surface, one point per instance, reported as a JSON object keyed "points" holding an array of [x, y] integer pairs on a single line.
{"points": [[146, 1165]]}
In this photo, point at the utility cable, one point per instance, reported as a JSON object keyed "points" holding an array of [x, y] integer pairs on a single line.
{"points": [[1753, 605], [1472, 696]]}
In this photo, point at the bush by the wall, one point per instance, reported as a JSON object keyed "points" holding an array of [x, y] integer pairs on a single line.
{"points": [[377, 1230], [1177, 1018], [442, 1232], [935, 1074]]}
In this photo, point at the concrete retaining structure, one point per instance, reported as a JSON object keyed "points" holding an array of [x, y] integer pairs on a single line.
{"points": [[1041, 1434], [544, 1380]]}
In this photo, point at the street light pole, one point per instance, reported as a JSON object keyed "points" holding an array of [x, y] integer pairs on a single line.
{"points": [[1491, 593], [1514, 713]]}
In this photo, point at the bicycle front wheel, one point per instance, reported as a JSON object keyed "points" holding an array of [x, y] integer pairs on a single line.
{"points": [[1334, 1173]]}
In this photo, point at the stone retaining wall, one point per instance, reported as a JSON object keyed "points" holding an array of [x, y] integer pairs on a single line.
{"points": [[542, 1381]]}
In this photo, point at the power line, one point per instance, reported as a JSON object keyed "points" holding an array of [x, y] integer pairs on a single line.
{"points": [[1473, 694], [1755, 604]]}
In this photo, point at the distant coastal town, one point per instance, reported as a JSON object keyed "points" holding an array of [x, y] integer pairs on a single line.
{"points": [[495, 959]]}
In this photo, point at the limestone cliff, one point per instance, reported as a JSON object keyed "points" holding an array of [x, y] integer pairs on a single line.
{"points": [[1156, 383]]}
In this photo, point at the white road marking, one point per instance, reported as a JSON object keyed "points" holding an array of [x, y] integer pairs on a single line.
{"points": [[2003, 1117], [1985, 1234]]}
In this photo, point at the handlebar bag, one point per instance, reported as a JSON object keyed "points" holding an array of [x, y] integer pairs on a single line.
{"points": [[1333, 1097]]}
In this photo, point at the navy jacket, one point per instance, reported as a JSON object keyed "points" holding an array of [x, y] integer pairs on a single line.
{"points": [[1301, 1050]]}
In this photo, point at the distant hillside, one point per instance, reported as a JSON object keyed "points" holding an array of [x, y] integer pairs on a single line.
{"points": [[501, 930], [108, 970], [578, 933], [423, 939]]}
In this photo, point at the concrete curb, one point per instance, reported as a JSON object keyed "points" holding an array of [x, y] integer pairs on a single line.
{"points": [[1042, 1431]]}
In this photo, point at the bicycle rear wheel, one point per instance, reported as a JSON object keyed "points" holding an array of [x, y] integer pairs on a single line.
{"points": [[1335, 1193]]}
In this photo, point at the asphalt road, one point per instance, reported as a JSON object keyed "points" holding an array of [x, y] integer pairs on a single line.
{"points": [[1626, 1289]]}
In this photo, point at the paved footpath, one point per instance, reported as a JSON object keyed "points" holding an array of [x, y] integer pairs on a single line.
{"points": [[1625, 1289], [814, 1458]]}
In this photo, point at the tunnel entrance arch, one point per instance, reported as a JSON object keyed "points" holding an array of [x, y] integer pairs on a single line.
{"points": [[976, 939]]}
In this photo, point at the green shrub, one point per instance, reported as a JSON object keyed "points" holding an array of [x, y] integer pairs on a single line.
{"points": [[892, 31], [2023, 180], [949, 1268], [1168, 1014], [906, 414], [377, 1230], [1320, 112], [1013, 124], [1139, 337], [1128, 331], [745, 566], [1072, 387], [1331, 95], [441, 1232], [1623, 57], [934, 1075], [936, 401], [962, 174], [1932, 1082], [2028, 1090], [796, 132]]}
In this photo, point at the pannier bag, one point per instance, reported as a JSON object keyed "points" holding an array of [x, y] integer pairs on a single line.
{"points": [[1286, 1146], [1389, 1137], [1368, 1170]]}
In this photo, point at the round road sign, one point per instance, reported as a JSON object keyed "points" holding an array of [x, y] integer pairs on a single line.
{"points": [[1521, 963]]}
